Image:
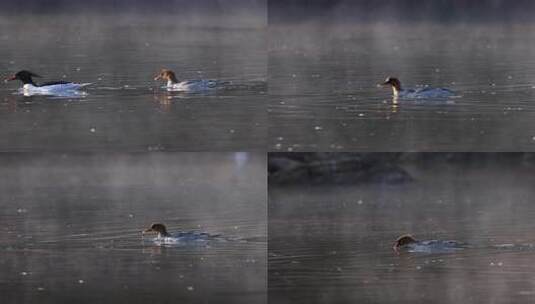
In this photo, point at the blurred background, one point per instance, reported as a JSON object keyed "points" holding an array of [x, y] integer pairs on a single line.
{"points": [[407, 10]]}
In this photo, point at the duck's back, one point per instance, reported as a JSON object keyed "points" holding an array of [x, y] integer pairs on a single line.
{"points": [[435, 246], [197, 85]]}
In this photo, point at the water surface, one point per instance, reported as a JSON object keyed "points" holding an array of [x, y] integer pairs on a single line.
{"points": [[324, 92], [71, 228], [333, 244], [125, 110]]}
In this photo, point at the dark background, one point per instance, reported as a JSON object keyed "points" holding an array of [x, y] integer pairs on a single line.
{"points": [[171, 6], [403, 10]]}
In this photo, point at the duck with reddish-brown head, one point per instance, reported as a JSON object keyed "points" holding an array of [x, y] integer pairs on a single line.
{"points": [[195, 86], [163, 237], [407, 243], [419, 93]]}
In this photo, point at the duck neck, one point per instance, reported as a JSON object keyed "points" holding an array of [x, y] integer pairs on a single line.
{"points": [[171, 80], [396, 87], [28, 80], [395, 91]]}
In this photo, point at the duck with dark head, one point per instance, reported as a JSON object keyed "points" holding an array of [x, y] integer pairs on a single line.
{"points": [[48, 88]]}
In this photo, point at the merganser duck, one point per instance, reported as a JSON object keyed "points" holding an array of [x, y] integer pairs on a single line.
{"points": [[173, 84], [416, 93], [410, 244], [48, 88], [165, 238]]}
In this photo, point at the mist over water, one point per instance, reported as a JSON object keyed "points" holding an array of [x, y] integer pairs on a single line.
{"points": [[333, 243], [72, 227]]}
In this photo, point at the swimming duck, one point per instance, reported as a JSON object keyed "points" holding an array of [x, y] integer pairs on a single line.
{"points": [[48, 88], [410, 244], [173, 84], [426, 92], [164, 237]]}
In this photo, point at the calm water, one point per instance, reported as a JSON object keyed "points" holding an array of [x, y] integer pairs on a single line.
{"points": [[334, 244], [126, 110], [324, 93], [71, 228]]}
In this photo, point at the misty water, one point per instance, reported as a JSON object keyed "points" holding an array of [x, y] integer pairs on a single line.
{"points": [[324, 93], [71, 228], [333, 244], [125, 109]]}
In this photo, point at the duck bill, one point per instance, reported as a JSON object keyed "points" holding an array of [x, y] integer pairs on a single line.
{"points": [[146, 231], [157, 77], [10, 78]]}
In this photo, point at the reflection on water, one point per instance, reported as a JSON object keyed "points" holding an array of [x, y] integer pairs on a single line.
{"points": [[325, 81], [120, 55], [71, 228], [333, 244]]}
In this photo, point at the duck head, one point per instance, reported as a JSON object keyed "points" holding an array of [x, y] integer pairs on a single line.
{"points": [[404, 240], [157, 228], [167, 75], [24, 76], [394, 83]]}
